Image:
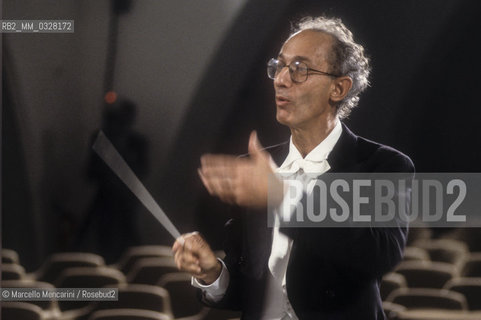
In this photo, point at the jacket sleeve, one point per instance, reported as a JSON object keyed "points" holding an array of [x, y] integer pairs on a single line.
{"points": [[232, 246]]}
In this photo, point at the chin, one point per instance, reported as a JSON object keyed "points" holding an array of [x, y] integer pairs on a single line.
{"points": [[283, 117], [282, 120]]}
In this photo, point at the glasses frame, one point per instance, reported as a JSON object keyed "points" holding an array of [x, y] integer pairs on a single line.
{"points": [[291, 71]]}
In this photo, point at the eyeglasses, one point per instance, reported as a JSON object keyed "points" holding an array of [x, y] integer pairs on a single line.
{"points": [[299, 71]]}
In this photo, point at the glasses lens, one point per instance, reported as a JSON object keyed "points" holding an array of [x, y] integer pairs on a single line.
{"points": [[298, 71], [272, 68]]}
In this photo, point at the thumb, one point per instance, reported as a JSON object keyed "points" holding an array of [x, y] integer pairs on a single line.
{"points": [[255, 147]]}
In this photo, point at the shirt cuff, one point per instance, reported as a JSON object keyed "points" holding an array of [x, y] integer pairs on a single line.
{"points": [[215, 291]]}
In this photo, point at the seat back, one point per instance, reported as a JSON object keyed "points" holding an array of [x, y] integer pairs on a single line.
{"points": [[132, 254], [426, 274], [183, 295], [470, 288], [414, 253], [392, 310], [49, 305], [149, 270], [10, 256], [12, 271], [56, 263], [471, 266], [140, 296], [21, 311], [391, 282], [418, 233], [438, 315], [128, 314], [88, 277], [420, 298], [444, 250]]}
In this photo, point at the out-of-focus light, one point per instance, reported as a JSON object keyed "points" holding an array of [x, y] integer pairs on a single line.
{"points": [[110, 97]]}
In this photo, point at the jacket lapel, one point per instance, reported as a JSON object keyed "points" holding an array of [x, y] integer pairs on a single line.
{"points": [[343, 156]]}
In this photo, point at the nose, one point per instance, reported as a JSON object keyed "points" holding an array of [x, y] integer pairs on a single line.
{"points": [[283, 78]]}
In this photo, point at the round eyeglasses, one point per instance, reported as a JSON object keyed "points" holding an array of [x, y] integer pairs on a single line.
{"points": [[299, 71]]}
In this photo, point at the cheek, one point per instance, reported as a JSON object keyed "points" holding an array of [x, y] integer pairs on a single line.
{"points": [[305, 102]]}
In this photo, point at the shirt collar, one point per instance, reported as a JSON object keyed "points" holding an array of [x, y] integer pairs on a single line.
{"points": [[319, 153]]}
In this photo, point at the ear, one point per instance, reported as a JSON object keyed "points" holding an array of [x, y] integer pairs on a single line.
{"points": [[341, 87]]}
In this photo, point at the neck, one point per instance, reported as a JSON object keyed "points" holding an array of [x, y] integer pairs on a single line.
{"points": [[306, 140]]}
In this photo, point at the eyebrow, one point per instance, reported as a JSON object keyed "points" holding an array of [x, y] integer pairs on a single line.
{"points": [[296, 58]]}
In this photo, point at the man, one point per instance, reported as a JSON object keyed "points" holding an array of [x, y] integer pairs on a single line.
{"points": [[299, 273]]}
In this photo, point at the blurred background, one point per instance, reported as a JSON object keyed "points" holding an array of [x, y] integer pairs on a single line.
{"points": [[170, 80]]}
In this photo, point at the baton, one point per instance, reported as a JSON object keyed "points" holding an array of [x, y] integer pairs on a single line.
{"points": [[106, 150]]}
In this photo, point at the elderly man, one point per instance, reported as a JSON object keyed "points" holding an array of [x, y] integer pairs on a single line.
{"points": [[299, 273]]}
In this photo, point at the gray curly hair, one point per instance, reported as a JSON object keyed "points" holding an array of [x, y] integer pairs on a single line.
{"points": [[347, 57]]}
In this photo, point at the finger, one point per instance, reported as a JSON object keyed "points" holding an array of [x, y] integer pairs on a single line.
{"points": [[194, 243], [178, 260], [215, 180], [255, 148], [189, 260], [224, 190], [200, 249], [220, 187], [178, 244], [194, 270], [186, 261], [217, 166], [215, 160], [206, 182]]}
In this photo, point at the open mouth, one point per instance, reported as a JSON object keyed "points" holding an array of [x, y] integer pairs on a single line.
{"points": [[281, 100]]}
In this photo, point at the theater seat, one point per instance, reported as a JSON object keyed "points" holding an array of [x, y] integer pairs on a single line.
{"points": [[88, 277], [21, 311], [183, 296], [10, 256], [140, 296], [438, 315], [426, 274], [391, 282], [470, 288], [444, 250], [418, 232], [12, 271], [392, 310], [132, 254], [414, 253], [471, 266], [56, 263], [149, 270], [416, 298], [50, 307], [128, 314]]}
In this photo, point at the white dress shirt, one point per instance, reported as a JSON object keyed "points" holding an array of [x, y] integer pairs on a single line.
{"points": [[306, 169]]}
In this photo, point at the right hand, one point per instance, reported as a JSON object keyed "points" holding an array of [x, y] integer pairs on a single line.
{"points": [[196, 258]]}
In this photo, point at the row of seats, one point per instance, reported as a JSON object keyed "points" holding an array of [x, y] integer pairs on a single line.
{"points": [[138, 264], [440, 250], [28, 311], [146, 264], [437, 279], [173, 297], [435, 274], [168, 293]]}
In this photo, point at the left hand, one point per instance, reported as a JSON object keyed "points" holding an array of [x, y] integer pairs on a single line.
{"points": [[242, 181], [195, 256]]}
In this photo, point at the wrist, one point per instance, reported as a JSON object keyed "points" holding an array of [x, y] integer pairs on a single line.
{"points": [[212, 274]]}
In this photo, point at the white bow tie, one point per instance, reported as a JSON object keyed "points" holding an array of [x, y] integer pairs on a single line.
{"points": [[314, 168]]}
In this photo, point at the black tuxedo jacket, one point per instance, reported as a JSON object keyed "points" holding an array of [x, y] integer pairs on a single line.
{"points": [[333, 273]]}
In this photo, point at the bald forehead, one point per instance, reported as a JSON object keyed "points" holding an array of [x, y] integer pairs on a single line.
{"points": [[310, 45]]}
